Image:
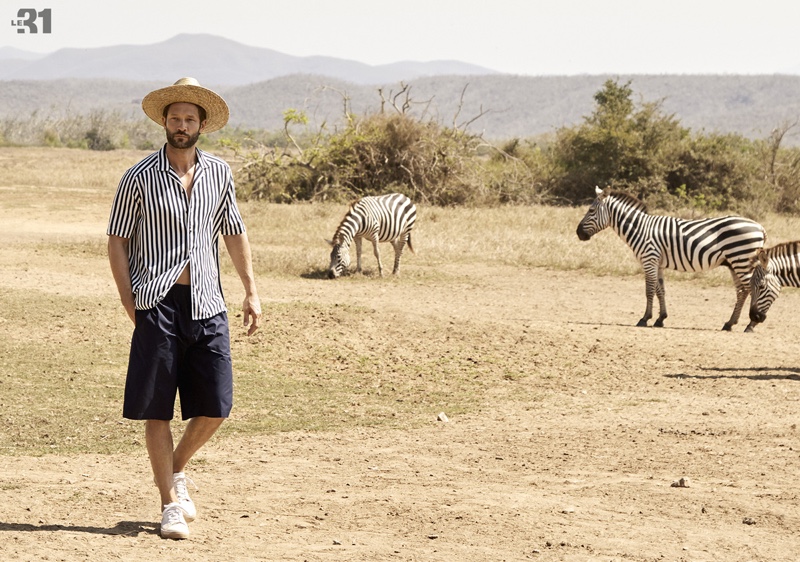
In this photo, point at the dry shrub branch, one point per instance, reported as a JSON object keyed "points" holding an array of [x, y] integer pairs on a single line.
{"points": [[393, 149]]}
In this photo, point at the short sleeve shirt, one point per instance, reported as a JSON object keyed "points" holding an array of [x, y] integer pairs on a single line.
{"points": [[168, 230]]}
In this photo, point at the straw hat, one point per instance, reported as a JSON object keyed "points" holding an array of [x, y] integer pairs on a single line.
{"points": [[187, 90]]}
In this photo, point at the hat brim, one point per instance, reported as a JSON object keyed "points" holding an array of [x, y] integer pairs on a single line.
{"points": [[217, 112]]}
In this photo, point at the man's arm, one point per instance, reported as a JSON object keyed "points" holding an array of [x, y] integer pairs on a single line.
{"points": [[238, 247], [120, 268]]}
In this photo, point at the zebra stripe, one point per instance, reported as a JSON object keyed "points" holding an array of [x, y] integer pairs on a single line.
{"points": [[383, 218], [664, 242], [773, 268]]}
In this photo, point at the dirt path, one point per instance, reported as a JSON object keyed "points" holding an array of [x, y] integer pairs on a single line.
{"points": [[575, 463]]}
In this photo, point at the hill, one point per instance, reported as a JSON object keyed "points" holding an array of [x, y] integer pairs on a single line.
{"points": [[210, 59], [259, 84], [508, 106], [526, 106]]}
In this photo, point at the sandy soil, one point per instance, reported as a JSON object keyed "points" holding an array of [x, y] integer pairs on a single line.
{"points": [[578, 464]]}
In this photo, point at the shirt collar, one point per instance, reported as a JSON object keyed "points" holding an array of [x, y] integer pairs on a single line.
{"points": [[163, 161]]}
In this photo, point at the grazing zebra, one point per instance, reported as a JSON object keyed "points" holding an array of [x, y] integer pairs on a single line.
{"points": [[661, 242], [383, 218], [773, 268]]}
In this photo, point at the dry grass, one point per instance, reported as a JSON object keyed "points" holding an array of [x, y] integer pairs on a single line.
{"points": [[315, 366], [290, 239]]}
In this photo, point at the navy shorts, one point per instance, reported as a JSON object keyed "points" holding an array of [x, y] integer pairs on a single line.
{"points": [[171, 354]]}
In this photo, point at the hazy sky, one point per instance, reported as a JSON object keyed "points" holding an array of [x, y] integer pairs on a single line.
{"points": [[530, 37]]}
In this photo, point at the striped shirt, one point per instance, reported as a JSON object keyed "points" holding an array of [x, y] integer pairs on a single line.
{"points": [[168, 230]]}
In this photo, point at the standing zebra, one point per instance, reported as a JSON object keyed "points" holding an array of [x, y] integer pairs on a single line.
{"points": [[661, 242], [383, 218], [774, 268]]}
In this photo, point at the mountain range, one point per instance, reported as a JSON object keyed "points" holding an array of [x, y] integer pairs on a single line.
{"points": [[260, 84], [210, 59]]}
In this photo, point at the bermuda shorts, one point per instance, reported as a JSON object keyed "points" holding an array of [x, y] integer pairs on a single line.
{"points": [[171, 354]]}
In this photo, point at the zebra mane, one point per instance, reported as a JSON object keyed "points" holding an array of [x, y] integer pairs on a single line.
{"points": [[628, 199], [337, 236], [784, 248]]}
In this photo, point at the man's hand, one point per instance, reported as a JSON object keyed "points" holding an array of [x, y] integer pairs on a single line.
{"points": [[239, 249], [118, 258], [130, 309], [251, 309]]}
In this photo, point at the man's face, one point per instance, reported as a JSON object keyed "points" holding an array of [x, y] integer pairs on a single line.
{"points": [[183, 125]]}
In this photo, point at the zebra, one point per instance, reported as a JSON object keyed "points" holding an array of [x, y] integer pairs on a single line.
{"points": [[382, 218], [773, 268], [664, 242]]}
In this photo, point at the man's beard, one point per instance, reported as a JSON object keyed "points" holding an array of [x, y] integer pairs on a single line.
{"points": [[188, 142]]}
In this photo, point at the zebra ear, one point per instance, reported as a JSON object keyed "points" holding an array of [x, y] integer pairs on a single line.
{"points": [[598, 191], [762, 257], [330, 242]]}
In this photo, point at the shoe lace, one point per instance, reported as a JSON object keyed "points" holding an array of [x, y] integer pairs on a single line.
{"points": [[173, 514], [180, 486]]}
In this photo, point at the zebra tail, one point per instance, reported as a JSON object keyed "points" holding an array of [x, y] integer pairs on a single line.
{"points": [[410, 247]]}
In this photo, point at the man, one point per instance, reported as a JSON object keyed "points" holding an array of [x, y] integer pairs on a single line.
{"points": [[168, 213]]}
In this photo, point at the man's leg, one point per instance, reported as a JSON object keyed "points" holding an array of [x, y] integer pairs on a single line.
{"points": [[158, 436], [198, 431], [164, 460]]}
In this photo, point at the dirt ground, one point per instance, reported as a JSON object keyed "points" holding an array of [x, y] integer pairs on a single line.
{"points": [[577, 465]]}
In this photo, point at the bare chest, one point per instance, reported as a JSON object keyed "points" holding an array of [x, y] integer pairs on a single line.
{"points": [[187, 181]]}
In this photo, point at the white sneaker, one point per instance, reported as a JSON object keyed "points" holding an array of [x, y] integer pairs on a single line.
{"points": [[173, 524], [179, 480]]}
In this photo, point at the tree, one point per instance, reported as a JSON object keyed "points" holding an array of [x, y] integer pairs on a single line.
{"points": [[619, 145]]}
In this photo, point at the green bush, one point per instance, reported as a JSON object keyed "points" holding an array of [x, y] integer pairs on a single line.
{"points": [[716, 171], [617, 146], [649, 154]]}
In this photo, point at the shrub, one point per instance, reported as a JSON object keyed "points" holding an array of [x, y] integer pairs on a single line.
{"points": [[721, 171], [617, 146], [647, 153], [370, 156]]}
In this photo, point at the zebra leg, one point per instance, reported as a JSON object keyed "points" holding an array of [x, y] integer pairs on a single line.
{"points": [[398, 251], [650, 280], [662, 300], [358, 253], [377, 253], [742, 292], [648, 311], [741, 296]]}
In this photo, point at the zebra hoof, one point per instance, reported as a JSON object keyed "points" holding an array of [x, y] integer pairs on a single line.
{"points": [[727, 327], [641, 323], [658, 324], [748, 330]]}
